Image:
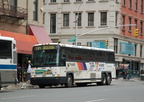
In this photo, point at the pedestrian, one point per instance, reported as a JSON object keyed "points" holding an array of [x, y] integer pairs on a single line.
{"points": [[19, 72], [25, 74], [127, 74], [117, 72], [28, 70]]}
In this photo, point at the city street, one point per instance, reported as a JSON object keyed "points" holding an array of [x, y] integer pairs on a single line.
{"points": [[119, 91]]}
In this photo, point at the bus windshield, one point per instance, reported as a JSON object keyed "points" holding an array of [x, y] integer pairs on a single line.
{"points": [[45, 57]]}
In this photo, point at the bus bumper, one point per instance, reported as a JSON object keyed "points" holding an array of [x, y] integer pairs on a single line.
{"points": [[48, 80]]}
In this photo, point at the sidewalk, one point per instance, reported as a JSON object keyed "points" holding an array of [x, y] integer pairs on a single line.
{"points": [[131, 79], [19, 86]]}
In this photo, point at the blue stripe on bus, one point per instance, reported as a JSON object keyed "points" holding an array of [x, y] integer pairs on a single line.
{"points": [[7, 66], [84, 65]]}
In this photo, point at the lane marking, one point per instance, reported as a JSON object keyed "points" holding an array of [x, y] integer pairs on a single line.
{"points": [[17, 97], [95, 100]]}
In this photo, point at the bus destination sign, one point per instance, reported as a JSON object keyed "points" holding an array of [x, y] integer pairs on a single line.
{"points": [[46, 47]]}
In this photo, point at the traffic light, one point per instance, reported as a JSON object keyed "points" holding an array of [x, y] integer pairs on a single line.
{"points": [[136, 32], [106, 42]]}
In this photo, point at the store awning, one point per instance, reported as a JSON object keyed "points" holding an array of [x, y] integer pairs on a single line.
{"points": [[24, 42], [40, 33]]}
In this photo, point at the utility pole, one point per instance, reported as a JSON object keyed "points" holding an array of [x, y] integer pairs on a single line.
{"points": [[101, 30], [76, 22]]}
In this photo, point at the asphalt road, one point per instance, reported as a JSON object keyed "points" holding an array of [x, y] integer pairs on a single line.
{"points": [[118, 91]]}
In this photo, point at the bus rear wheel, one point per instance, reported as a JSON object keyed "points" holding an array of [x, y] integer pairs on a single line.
{"points": [[103, 82], [69, 81], [108, 80]]}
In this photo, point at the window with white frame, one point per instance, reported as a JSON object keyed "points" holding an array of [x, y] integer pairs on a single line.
{"points": [[130, 19], [52, 23], [123, 2], [142, 6], [103, 18], [13, 5], [136, 22], [116, 18], [130, 3], [123, 21], [141, 27], [53, 0], [141, 51], [78, 0], [35, 10], [66, 0], [136, 5], [116, 45], [90, 19], [66, 20], [79, 18], [44, 18]]}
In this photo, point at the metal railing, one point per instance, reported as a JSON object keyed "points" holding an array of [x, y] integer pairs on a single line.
{"points": [[13, 11]]}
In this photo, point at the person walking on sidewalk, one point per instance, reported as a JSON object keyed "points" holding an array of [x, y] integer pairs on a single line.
{"points": [[127, 74], [29, 70]]}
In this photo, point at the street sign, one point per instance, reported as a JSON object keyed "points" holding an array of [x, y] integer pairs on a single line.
{"points": [[71, 40]]}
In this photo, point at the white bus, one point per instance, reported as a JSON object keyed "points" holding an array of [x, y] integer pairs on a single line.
{"points": [[55, 63], [8, 61]]}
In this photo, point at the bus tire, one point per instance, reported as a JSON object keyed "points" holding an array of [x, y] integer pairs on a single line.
{"points": [[103, 82], [69, 81], [41, 86], [108, 80]]}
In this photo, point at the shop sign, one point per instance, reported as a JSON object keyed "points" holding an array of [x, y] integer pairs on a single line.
{"points": [[127, 48]]}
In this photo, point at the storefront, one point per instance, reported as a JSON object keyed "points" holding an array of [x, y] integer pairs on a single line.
{"points": [[24, 44]]}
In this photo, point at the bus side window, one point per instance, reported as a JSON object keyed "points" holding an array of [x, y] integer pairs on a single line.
{"points": [[63, 58]]}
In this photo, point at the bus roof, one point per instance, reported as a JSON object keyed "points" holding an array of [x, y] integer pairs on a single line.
{"points": [[6, 38], [74, 46]]}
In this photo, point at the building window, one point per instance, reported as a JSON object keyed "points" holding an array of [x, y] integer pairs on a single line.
{"points": [[123, 2], [78, 0], [52, 23], [130, 23], [115, 45], [103, 18], [78, 15], [13, 5], [66, 20], [136, 23], [142, 1], [116, 18], [130, 3], [35, 10], [44, 18], [141, 27], [53, 0], [123, 21], [66, 0], [136, 5], [90, 19], [141, 51], [135, 49], [44, 2]]}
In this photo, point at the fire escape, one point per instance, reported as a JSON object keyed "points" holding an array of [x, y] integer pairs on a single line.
{"points": [[12, 14]]}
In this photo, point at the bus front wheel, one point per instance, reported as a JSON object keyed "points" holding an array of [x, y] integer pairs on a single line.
{"points": [[69, 81]]}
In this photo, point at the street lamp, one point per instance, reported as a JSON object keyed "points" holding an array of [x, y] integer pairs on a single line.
{"points": [[104, 29]]}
